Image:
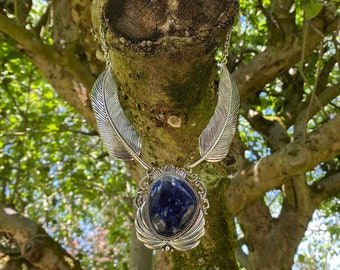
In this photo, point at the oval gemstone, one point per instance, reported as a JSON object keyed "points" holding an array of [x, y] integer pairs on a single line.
{"points": [[172, 205]]}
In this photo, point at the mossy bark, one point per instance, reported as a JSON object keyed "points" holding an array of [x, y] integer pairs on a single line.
{"points": [[154, 90], [167, 79]]}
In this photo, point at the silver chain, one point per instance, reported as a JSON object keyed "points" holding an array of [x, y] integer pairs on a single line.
{"points": [[105, 47], [225, 51]]}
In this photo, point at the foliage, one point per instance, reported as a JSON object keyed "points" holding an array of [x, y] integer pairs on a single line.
{"points": [[54, 170], [271, 104]]}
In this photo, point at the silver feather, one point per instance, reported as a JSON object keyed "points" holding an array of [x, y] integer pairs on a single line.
{"points": [[216, 138], [120, 138]]}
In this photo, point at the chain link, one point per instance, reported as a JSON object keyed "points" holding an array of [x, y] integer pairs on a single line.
{"points": [[104, 46], [225, 51]]}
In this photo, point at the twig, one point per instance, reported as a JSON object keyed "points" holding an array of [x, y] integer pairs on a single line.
{"points": [[265, 12], [304, 116], [42, 21]]}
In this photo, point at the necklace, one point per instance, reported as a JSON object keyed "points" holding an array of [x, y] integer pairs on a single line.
{"points": [[171, 202]]}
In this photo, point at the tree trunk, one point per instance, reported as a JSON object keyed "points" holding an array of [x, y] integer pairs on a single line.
{"points": [[163, 61]]}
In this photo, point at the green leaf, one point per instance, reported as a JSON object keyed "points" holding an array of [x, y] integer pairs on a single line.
{"points": [[52, 127], [301, 258], [313, 8]]}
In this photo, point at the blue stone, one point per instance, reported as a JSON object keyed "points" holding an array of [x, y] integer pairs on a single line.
{"points": [[172, 205]]}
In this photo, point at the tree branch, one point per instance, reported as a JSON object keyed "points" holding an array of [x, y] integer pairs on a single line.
{"points": [[327, 186], [324, 98], [42, 21], [36, 246], [284, 21], [37, 49], [296, 193], [300, 127], [324, 75], [271, 128], [281, 56], [255, 218], [28, 40], [312, 107], [53, 64], [280, 9], [274, 170]]}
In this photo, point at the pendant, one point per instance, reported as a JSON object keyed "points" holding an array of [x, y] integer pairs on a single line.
{"points": [[171, 206], [171, 201]]}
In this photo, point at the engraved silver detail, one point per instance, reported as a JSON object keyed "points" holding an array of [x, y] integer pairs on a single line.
{"points": [[190, 236]]}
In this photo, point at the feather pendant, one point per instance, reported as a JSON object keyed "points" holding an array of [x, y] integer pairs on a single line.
{"points": [[120, 138], [216, 138]]}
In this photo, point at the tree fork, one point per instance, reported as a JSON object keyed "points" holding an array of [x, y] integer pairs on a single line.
{"points": [[162, 54]]}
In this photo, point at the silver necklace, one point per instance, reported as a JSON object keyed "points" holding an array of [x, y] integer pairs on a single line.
{"points": [[171, 202]]}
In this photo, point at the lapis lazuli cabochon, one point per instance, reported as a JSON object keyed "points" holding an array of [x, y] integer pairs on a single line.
{"points": [[172, 205]]}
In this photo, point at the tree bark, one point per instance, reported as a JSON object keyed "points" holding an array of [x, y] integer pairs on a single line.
{"points": [[282, 53], [35, 245], [162, 54], [292, 160]]}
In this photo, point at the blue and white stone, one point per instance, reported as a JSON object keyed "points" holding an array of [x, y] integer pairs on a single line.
{"points": [[172, 205]]}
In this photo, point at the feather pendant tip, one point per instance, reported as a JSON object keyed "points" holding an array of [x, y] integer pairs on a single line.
{"points": [[120, 138], [216, 138]]}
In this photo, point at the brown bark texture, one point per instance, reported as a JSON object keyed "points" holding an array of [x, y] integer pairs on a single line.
{"points": [[35, 245]]}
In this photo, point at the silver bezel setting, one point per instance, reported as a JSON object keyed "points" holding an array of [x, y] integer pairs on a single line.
{"points": [[187, 238]]}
